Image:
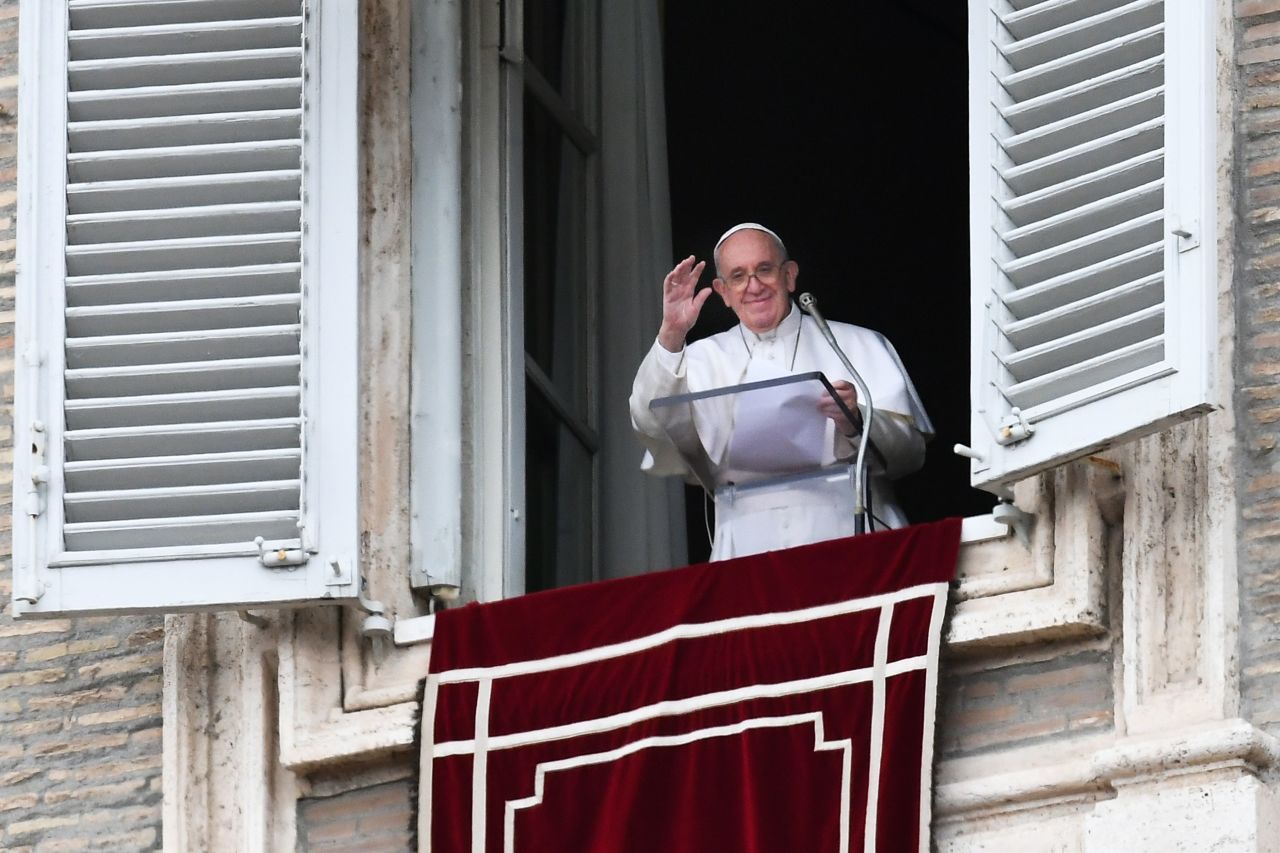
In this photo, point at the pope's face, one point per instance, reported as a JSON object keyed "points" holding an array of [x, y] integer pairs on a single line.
{"points": [[756, 282]]}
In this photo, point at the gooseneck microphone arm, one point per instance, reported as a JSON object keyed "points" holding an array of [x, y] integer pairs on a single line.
{"points": [[861, 520]]}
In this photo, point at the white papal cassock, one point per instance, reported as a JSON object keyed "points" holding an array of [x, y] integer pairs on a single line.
{"points": [[811, 510]]}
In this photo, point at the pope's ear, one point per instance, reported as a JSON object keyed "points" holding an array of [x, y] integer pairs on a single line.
{"points": [[719, 287], [792, 271]]}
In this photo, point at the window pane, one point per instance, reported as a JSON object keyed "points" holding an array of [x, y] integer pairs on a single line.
{"points": [[544, 37], [556, 304], [558, 500]]}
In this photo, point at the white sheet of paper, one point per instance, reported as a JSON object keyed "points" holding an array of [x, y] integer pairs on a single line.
{"points": [[778, 430]]}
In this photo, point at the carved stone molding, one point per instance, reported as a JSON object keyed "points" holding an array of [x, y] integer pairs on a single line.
{"points": [[1051, 587], [316, 727], [1228, 745], [224, 790]]}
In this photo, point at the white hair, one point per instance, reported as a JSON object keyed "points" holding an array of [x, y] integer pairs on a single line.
{"points": [[748, 226]]}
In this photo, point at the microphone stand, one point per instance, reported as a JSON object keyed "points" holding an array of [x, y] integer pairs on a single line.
{"points": [[861, 520]]}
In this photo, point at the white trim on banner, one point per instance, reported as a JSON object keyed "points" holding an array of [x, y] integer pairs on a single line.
{"points": [[679, 707], [876, 745], [689, 631], [820, 745], [480, 768], [930, 715]]}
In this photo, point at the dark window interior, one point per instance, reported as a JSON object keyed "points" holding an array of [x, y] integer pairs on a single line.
{"points": [[843, 127]]}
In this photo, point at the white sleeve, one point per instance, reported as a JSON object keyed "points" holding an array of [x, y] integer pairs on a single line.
{"points": [[900, 427], [661, 374]]}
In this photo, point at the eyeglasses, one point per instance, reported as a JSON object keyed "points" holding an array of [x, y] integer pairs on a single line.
{"points": [[767, 273]]}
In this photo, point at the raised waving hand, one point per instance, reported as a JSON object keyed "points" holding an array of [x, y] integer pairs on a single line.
{"points": [[681, 302]]}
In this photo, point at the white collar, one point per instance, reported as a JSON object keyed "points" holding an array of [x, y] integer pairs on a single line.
{"points": [[789, 326]]}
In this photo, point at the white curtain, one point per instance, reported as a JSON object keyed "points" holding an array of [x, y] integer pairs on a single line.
{"points": [[642, 518]]}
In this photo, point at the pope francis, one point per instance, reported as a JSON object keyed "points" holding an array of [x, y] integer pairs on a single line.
{"points": [[756, 279]]}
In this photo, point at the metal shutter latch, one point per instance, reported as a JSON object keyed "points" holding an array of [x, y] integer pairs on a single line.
{"points": [[279, 558], [1014, 428]]}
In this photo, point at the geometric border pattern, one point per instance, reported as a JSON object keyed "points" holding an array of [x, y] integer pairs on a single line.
{"points": [[481, 745]]}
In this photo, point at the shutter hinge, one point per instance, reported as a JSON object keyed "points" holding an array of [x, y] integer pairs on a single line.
{"points": [[280, 558], [1018, 521], [1188, 235], [1014, 428], [375, 627], [39, 471], [33, 597]]}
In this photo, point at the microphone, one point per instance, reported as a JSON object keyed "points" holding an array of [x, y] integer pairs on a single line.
{"points": [[809, 304]]}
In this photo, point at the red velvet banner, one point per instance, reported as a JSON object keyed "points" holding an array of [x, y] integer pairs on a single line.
{"points": [[772, 704]]}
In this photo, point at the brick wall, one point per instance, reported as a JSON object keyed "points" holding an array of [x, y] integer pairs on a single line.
{"points": [[79, 699], [1258, 355], [1001, 705], [377, 819]]}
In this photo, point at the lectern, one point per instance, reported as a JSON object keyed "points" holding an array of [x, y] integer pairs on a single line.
{"points": [[764, 446]]}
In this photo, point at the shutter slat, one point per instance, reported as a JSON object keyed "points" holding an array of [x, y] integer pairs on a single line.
{"points": [[1091, 311], [1086, 157], [1077, 347], [183, 439], [1127, 49], [169, 131], [1086, 219], [217, 220], [90, 14], [156, 255], [188, 37], [1082, 34], [185, 160], [183, 191], [217, 375], [210, 283], [1085, 281], [1043, 15], [199, 469], [126, 504], [183, 315], [166, 347], [1085, 128], [1086, 251], [155, 409], [188, 99], [185, 68], [154, 533], [1052, 388], [1085, 96], [1085, 189]]}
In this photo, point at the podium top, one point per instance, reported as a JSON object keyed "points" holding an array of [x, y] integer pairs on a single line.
{"points": [[756, 431]]}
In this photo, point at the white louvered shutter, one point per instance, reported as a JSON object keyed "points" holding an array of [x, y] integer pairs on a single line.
{"points": [[1093, 238], [186, 304]]}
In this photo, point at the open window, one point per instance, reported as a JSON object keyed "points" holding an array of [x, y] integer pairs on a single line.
{"points": [[1027, 234], [897, 184], [186, 400], [844, 128]]}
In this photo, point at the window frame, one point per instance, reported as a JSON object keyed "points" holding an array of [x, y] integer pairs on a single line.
{"points": [[518, 78]]}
